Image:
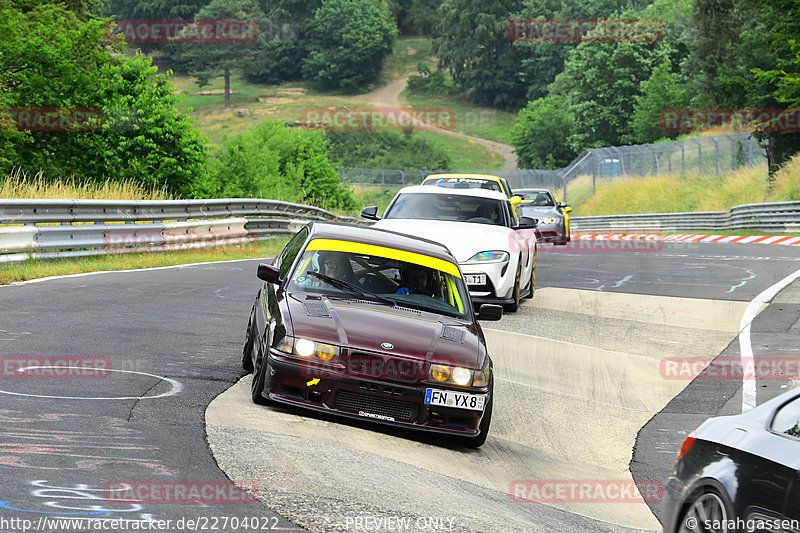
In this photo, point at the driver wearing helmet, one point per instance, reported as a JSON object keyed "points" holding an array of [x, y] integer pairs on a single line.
{"points": [[415, 280]]}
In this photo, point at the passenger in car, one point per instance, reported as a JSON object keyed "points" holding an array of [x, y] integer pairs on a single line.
{"points": [[414, 280]]}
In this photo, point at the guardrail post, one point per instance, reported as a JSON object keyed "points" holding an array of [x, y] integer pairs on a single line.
{"points": [[683, 160], [716, 154], [699, 156]]}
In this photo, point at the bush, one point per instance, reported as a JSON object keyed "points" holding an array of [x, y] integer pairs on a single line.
{"points": [[273, 161], [540, 134], [430, 82]]}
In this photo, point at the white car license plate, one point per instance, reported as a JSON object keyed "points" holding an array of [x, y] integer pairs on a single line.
{"points": [[460, 400], [475, 279]]}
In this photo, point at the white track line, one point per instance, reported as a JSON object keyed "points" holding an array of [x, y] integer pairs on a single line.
{"points": [[745, 348]]}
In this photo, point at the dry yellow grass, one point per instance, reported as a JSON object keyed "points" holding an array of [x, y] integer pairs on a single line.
{"points": [[19, 186], [672, 194], [787, 182]]}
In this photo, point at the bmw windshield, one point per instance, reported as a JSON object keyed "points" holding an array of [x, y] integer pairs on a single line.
{"points": [[385, 279]]}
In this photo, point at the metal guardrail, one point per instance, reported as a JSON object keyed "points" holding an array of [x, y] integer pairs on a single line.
{"points": [[774, 217], [48, 229]]}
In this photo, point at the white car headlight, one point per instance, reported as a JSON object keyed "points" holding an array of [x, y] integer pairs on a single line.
{"points": [[493, 256], [550, 220]]}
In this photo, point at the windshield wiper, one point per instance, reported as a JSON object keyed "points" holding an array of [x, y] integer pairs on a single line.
{"points": [[339, 284]]}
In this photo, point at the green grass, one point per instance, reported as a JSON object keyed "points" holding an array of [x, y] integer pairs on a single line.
{"points": [[464, 154], [37, 268], [483, 122], [289, 102], [367, 195], [408, 51]]}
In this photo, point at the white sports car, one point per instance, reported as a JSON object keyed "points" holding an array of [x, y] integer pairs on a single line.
{"points": [[496, 254]]}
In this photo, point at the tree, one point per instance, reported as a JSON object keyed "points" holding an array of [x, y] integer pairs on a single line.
{"points": [[415, 17], [541, 132], [145, 138], [351, 38], [473, 42], [600, 83], [542, 61], [660, 92], [281, 59], [57, 62], [210, 59], [783, 32]]}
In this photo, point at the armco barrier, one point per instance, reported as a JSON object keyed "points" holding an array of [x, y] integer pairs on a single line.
{"points": [[72, 228], [775, 217], [50, 229]]}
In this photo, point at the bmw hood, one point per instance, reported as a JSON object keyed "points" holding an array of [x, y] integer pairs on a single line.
{"points": [[463, 239], [368, 326]]}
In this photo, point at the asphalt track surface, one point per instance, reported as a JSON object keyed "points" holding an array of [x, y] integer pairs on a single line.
{"points": [[172, 339]]}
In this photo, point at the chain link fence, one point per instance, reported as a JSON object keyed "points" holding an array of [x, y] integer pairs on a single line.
{"points": [[705, 156]]}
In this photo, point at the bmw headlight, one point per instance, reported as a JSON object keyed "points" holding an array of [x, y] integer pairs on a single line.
{"points": [[457, 375], [307, 349], [550, 220], [492, 256]]}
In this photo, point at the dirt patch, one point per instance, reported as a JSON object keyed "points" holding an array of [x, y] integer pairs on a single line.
{"points": [[274, 100], [294, 91], [411, 52], [209, 92]]}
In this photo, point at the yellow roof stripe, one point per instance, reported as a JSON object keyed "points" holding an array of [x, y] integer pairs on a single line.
{"points": [[332, 245]]}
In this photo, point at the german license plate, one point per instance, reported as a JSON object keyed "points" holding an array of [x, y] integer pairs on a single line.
{"points": [[459, 400], [475, 279]]}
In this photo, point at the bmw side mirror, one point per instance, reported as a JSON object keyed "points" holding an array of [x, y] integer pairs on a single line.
{"points": [[370, 212], [490, 312], [527, 223], [268, 273]]}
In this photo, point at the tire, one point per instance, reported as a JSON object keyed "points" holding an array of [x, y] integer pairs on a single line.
{"points": [[259, 380], [513, 306], [533, 278], [486, 421], [247, 349], [707, 505]]}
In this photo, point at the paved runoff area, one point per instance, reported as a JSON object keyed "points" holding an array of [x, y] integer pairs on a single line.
{"points": [[578, 373]]}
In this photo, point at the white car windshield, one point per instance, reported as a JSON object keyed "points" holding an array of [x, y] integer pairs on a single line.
{"points": [[452, 207], [464, 183]]}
